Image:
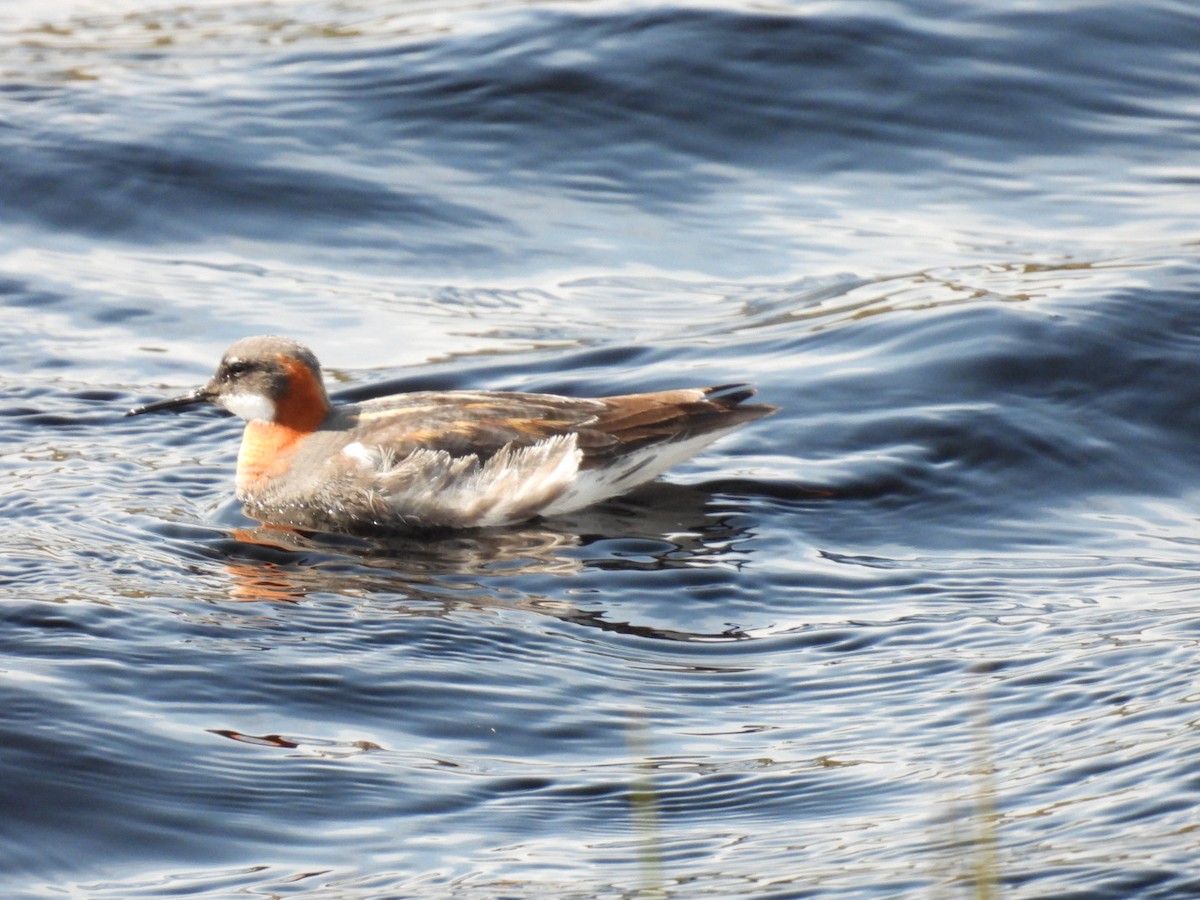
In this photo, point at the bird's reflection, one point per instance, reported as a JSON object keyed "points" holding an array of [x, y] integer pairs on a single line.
{"points": [[662, 526]]}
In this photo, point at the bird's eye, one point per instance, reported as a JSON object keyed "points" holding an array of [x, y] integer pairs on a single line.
{"points": [[236, 367]]}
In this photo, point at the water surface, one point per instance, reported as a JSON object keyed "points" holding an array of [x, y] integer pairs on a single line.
{"points": [[929, 631]]}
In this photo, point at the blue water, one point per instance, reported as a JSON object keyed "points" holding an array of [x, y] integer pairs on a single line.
{"points": [[931, 631]]}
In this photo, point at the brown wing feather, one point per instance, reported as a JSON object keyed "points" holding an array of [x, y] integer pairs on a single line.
{"points": [[463, 422], [483, 422], [636, 420]]}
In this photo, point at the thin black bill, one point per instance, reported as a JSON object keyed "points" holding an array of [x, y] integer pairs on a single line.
{"points": [[197, 396]]}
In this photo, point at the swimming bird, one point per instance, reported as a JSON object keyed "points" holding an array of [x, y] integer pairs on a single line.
{"points": [[437, 460]]}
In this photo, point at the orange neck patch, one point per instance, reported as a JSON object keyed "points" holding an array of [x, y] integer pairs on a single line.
{"points": [[268, 447]]}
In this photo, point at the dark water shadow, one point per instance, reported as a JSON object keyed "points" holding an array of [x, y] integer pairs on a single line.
{"points": [[661, 527]]}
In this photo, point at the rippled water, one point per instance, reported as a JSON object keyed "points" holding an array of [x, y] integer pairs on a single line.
{"points": [[931, 631]]}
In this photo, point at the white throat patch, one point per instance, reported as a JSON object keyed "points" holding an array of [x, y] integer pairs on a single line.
{"points": [[251, 407]]}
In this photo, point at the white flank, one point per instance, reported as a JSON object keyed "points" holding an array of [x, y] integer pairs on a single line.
{"points": [[626, 473], [251, 407], [434, 488], [362, 454]]}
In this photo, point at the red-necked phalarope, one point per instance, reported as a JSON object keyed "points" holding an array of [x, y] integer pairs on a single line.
{"points": [[455, 459]]}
